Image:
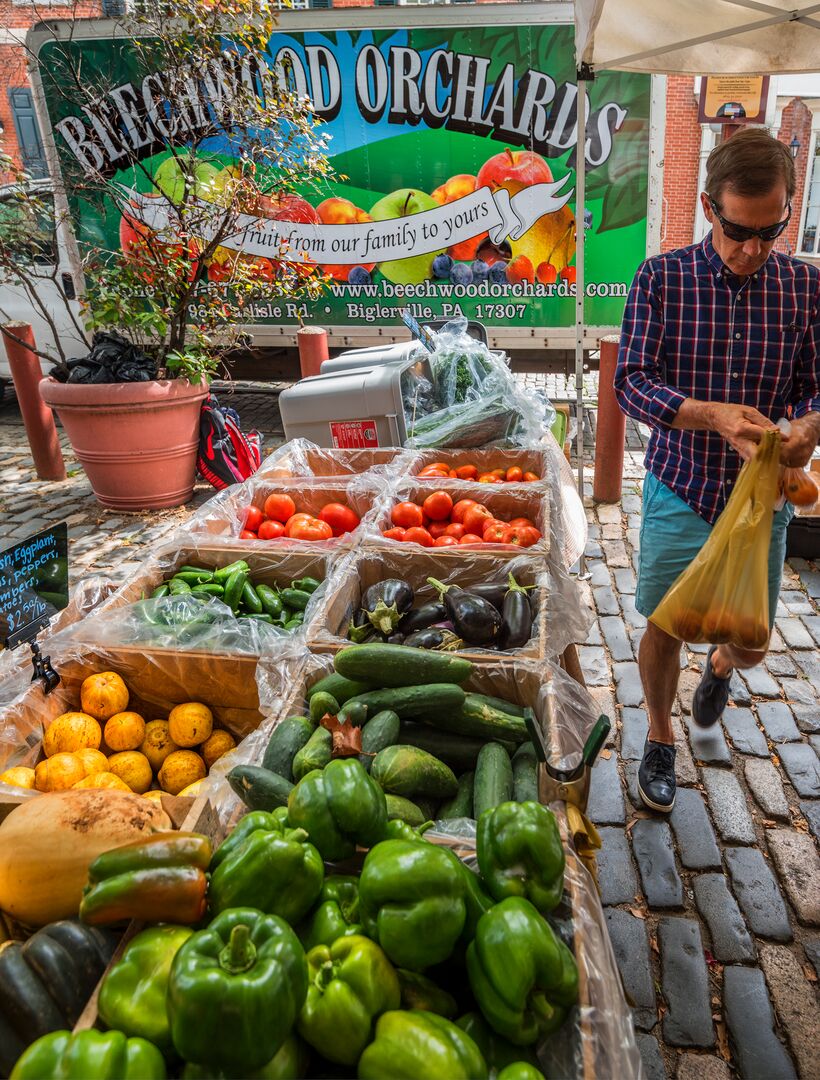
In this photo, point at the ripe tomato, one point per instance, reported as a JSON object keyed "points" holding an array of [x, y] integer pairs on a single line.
{"points": [[280, 507], [524, 535], [489, 478], [529, 477], [437, 529], [246, 534], [394, 534], [442, 465], [466, 472], [515, 474], [417, 535], [453, 474], [522, 521], [308, 528], [407, 515], [470, 538], [253, 518], [489, 522], [475, 517], [446, 541], [497, 533], [461, 508], [431, 472], [500, 473], [438, 506], [339, 517], [455, 530], [271, 530]]}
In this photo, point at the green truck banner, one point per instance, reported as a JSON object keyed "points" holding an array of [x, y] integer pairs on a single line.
{"points": [[453, 151]]}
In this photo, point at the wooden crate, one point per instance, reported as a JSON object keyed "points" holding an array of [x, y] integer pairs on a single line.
{"points": [[371, 564]]}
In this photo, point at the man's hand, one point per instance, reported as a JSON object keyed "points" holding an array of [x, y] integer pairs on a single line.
{"points": [[798, 446], [740, 425]]}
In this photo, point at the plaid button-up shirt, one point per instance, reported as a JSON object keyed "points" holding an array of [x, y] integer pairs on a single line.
{"points": [[692, 329]]}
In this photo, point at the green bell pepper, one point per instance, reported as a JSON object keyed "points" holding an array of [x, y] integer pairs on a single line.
{"points": [[520, 1070], [419, 992], [350, 984], [396, 829], [290, 1062], [276, 872], [339, 807], [413, 1044], [132, 995], [522, 975], [497, 1051], [337, 914], [235, 991], [89, 1055], [477, 901], [520, 853], [255, 821], [412, 901]]}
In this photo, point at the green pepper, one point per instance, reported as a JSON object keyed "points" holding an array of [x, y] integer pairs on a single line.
{"points": [[337, 914], [235, 991], [263, 617], [270, 601], [339, 807], [520, 853], [413, 1044], [152, 852], [224, 572], [293, 624], [396, 829], [411, 899], [520, 1070], [288, 1063], [89, 1055], [209, 589], [477, 901], [278, 873], [194, 577], [497, 1051], [306, 584], [250, 599], [178, 588], [350, 984], [234, 587], [187, 569], [522, 975], [255, 821], [295, 599], [132, 995], [161, 590], [419, 992]]}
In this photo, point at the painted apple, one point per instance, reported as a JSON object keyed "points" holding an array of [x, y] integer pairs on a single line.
{"points": [[338, 211], [456, 188], [286, 206], [398, 204], [520, 166], [180, 176], [138, 245]]}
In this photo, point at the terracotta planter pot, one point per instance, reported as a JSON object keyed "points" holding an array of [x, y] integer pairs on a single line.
{"points": [[136, 441]]}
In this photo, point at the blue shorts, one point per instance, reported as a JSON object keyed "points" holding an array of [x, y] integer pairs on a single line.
{"points": [[675, 534]]}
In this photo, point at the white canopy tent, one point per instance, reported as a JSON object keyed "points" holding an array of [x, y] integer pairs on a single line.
{"points": [[690, 37]]}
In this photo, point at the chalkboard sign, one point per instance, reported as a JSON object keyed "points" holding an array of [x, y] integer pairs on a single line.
{"points": [[33, 584]]}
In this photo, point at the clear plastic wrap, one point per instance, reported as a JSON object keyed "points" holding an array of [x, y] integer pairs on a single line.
{"points": [[303, 458], [534, 459]]}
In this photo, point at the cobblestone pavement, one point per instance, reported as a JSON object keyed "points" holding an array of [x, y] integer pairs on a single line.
{"points": [[715, 914]]}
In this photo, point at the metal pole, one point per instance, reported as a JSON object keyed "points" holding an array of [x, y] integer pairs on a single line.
{"points": [[580, 199]]}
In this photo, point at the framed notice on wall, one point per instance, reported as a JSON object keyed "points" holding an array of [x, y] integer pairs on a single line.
{"points": [[733, 99]]}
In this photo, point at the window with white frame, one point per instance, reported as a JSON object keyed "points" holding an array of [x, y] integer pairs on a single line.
{"points": [[810, 234]]}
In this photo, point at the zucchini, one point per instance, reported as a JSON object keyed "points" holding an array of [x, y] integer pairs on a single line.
{"points": [[396, 665], [408, 771], [323, 704], [287, 740], [404, 810], [480, 720], [461, 804], [377, 734], [340, 687], [501, 704], [458, 751], [415, 702], [525, 773], [315, 754], [259, 789], [493, 782]]}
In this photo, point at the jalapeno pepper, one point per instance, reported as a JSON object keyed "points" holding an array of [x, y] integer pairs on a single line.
{"points": [[234, 588], [295, 598], [306, 584], [270, 601], [162, 590], [250, 599], [224, 572], [178, 587]]}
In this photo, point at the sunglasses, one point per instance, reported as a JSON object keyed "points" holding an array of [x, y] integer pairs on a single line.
{"points": [[741, 233]]}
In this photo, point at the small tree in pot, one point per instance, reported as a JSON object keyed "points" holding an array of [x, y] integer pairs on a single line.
{"points": [[182, 146]]}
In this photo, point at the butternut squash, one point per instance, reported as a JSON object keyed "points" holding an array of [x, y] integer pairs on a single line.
{"points": [[48, 843]]}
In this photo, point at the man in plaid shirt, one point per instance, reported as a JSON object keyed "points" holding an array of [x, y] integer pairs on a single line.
{"points": [[719, 340]]}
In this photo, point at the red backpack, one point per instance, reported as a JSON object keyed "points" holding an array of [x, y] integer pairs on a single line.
{"points": [[227, 455]]}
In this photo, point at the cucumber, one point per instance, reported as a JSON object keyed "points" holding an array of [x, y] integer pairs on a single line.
{"points": [[408, 771], [287, 740], [501, 704], [415, 702], [321, 704], [353, 712], [525, 773], [340, 687], [428, 807], [480, 720], [315, 754], [377, 734], [403, 810], [493, 782], [461, 804], [458, 751], [259, 789], [396, 665]]}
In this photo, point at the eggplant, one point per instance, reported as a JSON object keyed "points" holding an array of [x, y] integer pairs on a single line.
{"points": [[360, 629], [516, 621], [396, 639], [386, 602], [494, 593], [474, 619], [429, 638], [427, 615]]}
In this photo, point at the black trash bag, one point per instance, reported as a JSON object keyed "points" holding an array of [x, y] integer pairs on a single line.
{"points": [[113, 358]]}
